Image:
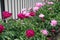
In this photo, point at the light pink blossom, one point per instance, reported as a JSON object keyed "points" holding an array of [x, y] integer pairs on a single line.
{"points": [[41, 15], [53, 23], [27, 15], [35, 9], [24, 12], [39, 4], [50, 3], [44, 32]]}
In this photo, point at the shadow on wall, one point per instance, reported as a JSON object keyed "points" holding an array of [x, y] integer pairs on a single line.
{"points": [[0, 9], [0, 5]]}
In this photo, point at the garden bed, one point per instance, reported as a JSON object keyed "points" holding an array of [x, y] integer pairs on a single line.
{"points": [[43, 24]]}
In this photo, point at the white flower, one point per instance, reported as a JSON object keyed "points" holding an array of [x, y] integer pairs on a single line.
{"points": [[41, 15]]}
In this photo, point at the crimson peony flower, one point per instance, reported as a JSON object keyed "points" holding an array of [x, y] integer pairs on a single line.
{"points": [[30, 33], [6, 14], [1, 28], [32, 13], [21, 16]]}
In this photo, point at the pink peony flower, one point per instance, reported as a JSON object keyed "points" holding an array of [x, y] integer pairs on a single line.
{"points": [[39, 5], [41, 16], [53, 23], [50, 3], [6, 14], [21, 16], [35, 9], [1, 28], [27, 15], [24, 12], [30, 33], [32, 13], [44, 32]]}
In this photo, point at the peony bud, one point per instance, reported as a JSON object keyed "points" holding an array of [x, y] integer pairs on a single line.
{"points": [[53, 30]]}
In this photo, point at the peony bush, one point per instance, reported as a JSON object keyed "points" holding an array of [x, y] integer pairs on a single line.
{"points": [[40, 23]]}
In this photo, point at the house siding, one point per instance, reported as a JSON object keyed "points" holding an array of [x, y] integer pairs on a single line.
{"points": [[15, 6]]}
